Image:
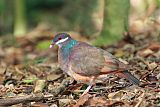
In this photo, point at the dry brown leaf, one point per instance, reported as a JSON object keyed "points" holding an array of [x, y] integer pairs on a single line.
{"points": [[116, 95], [145, 53], [53, 76], [75, 88], [64, 102], [103, 102], [13, 55], [82, 100], [152, 65], [154, 46]]}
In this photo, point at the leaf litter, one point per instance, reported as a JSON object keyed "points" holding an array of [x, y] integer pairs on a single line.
{"points": [[31, 76]]}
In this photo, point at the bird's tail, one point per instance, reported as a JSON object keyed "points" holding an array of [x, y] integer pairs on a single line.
{"points": [[130, 77]]}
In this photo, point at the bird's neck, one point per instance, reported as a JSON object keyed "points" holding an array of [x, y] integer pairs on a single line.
{"points": [[66, 48]]}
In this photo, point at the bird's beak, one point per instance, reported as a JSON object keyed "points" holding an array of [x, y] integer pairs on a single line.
{"points": [[51, 45]]}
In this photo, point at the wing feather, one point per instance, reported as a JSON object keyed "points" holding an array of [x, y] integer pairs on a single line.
{"points": [[88, 60]]}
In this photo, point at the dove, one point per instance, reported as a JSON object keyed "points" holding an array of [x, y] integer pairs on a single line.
{"points": [[88, 64]]}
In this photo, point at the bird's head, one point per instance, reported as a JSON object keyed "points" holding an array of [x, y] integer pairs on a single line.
{"points": [[60, 39]]}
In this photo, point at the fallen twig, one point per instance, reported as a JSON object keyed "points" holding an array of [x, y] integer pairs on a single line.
{"points": [[141, 98], [23, 99], [40, 84], [148, 73], [57, 90], [34, 97]]}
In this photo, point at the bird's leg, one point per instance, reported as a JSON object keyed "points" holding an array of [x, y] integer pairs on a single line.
{"points": [[87, 90], [89, 86]]}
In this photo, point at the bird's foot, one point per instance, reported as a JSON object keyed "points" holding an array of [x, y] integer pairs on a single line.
{"points": [[87, 90]]}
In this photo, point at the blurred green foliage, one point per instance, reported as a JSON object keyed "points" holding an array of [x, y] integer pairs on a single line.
{"points": [[27, 62], [43, 45], [69, 15], [2, 6], [61, 15], [20, 23], [79, 15], [40, 10], [6, 16], [115, 22], [44, 5], [158, 3]]}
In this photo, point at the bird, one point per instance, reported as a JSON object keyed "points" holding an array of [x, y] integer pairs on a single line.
{"points": [[88, 64]]}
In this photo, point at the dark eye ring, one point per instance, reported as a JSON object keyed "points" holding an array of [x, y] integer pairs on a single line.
{"points": [[59, 38]]}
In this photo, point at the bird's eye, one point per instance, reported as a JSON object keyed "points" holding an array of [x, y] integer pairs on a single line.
{"points": [[59, 38]]}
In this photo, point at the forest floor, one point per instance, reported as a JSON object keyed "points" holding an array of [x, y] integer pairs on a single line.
{"points": [[30, 76]]}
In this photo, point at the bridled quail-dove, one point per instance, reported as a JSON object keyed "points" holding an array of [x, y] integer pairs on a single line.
{"points": [[86, 63]]}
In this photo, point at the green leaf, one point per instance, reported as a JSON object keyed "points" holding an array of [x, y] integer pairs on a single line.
{"points": [[29, 81], [43, 45]]}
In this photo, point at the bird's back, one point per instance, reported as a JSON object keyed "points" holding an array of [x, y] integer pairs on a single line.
{"points": [[88, 60]]}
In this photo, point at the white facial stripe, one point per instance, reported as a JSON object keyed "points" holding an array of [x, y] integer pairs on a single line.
{"points": [[61, 41]]}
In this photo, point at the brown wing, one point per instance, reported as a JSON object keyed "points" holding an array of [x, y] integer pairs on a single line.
{"points": [[112, 63], [88, 60]]}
